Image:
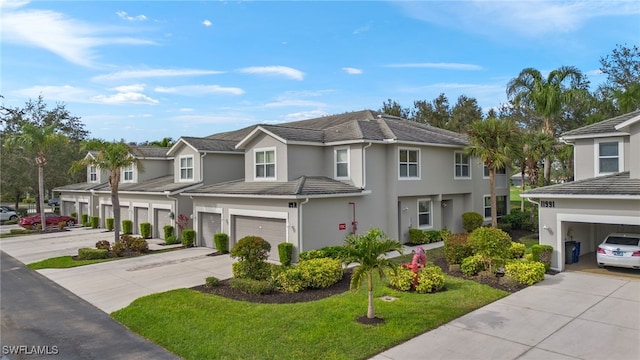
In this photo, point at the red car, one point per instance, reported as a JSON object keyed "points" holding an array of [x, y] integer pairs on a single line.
{"points": [[52, 219]]}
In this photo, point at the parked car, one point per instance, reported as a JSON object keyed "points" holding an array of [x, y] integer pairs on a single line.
{"points": [[52, 219], [619, 249], [54, 202], [6, 214], [7, 208]]}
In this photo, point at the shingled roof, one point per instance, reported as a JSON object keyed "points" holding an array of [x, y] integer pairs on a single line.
{"points": [[157, 185], [603, 127], [615, 185], [304, 186]]}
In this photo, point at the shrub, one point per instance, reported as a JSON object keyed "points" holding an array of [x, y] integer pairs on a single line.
{"points": [[443, 234], [542, 253], [506, 227], [92, 254], [291, 280], [312, 254], [188, 237], [127, 227], [527, 273], [472, 265], [334, 252], [61, 225], [456, 248], [257, 270], [109, 222], [85, 219], [251, 286], [170, 240], [432, 236], [211, 281], [74, 214], [490, 243], [402, 279], [118, 248], [285, 253], [251, 248], [145, 230], [430, 279], [417, 237], [222, 242], [168, 231], [309, 274], [471, 221], [517, 250], [19, 231], [517, 219], [95, 222], [138, 244], [103, 244]]}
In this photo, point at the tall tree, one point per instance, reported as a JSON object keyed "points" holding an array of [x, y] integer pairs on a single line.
{"points": [[393, 108], [165, 142], [36, 140], [547, 96], [622, 66], [495, 143], [113, 156], [368, 251], [464, 112], [436, 113]]}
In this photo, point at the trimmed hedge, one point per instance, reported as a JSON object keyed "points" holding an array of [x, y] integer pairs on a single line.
{"points": [[527, 273], [85, 219], [171, 240], [430, 279], [333, 252], [471, 221], [251, 286], [419, 237], [145, 230], [95, 222], [402, 279], [517, 250], [167, 231], [127, 227], [92, 254], [285, 253], [472, 265], [211, 281], [109, 223], [188, 237], [310, 274], [542, 253], [221, 240]]}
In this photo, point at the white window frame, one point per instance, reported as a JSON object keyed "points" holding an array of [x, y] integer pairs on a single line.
{"points": [[597, 156], [488, 207], [409, 177], [265, 164], [429, 212], [485, 171], [93, 174], [456, 164], [186, 168], [336, 162], [125, 172]]}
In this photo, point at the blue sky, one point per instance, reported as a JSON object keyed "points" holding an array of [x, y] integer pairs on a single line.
{"points": [[144, 70]]}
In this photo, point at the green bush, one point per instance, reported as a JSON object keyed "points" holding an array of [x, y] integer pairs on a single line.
{"points": [[430, 279], [19, 231], [471, 221], [472, 265], [222, 242], [127, 227], [145, 230], [506, 227], [251, 286], [285, 253], [527, 273], [138, 244], [211, 281], [251, 248], [290, 280], [417, 237], [167, 231], [309, 274], [517, 250], [257, 270], [170, 240], [109, 222], [542, 254], [85, 219], [95, 222], [74, 214], [188, 237], [334, 252], [456, 248], [402, 279], [490, 243], [103, 244], [92, 254], [118, 248], [517, 219]]}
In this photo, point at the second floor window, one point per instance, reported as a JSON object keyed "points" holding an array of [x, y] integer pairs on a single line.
{"points": [[265, 164], [342, 162], [462, 165], [93, 174], [608, 157], [186, 168], [127, 173], [409, 161], [502, 171]]}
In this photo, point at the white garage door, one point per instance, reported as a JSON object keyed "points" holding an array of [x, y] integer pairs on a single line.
{"points": [[272, 230], [84, 209], [209, 225], [67, 207], [161, 219], [141, 215]]}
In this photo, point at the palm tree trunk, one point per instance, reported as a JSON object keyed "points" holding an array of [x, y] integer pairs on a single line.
{"points": [[370, 312], [114, 180], [494, 201], [43, 219], [547, 159], [522, 187]]}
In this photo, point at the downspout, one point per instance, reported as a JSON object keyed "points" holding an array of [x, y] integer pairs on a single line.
{"points": [[364, 165], [202, 167], [354, 223], [300, 224], [175, 206]]}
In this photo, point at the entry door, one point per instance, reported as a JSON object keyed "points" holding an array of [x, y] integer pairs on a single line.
{"points": [[272, 230]]}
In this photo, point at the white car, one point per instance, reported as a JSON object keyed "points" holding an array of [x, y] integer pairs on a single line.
{"points": [[6, 214], [619, 249]]}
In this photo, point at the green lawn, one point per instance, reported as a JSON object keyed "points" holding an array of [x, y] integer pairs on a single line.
{"points": [[195, 325], [514, 198], [63, 262]]}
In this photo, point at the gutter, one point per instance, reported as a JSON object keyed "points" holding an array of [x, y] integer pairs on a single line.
{"points": [[300, 225], [364, 165]]}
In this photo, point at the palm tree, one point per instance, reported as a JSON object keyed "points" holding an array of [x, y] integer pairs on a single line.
{"points": [[37, 139], [165, 142], [494, 142], [547, 97], [536, 146], [368, 251], [113, 156]]}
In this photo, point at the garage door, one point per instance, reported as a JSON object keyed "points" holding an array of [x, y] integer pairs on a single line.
{"points": [[124, 213], [209, 225], [141, 215], [67, 207], [161, 219], [84, 208], [272, 230], [107, 210]]}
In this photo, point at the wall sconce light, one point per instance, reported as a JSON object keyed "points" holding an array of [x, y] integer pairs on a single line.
{"points": [[404, 209], [172, 215], [545, 227], [191, 216], [444, 204]]}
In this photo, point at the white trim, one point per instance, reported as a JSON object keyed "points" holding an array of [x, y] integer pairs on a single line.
{"points": [[408, 177], [455, 164], [335, 162], [293, 197], [95, 172], [596, 149], [261, 214], [130, 168], [628, 122], [193, 170], [594, 136], [430, 225], [211, 210], [275, 164], [568, 196]]}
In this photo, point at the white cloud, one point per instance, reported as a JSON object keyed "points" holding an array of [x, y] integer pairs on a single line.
{"points": [[207, 23], [294, 102], [444, 66], [125, 98], [186, 110], [125, 16], [153, 73], [233, 119], [362, 29], [66, 93], [352, 71], [274, 70], [303, 115], [199, 89], [129, 88]]}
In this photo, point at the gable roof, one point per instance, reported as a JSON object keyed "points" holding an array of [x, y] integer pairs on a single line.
{"points": [[204, 145], [603, 128], [162, 185], [618, 185]]}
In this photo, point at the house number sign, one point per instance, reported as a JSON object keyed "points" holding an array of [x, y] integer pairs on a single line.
{"points": [[547, 204]]}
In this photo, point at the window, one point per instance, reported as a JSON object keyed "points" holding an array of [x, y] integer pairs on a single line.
{"points": [[341, 156], [186, 168], [424, 213], [502, 171], [409, 164], [608, 157], [93, 174], [127, 173], [462, 166], [501, 202], [265, 164]]}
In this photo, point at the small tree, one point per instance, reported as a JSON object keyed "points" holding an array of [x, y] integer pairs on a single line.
{"points": [[491, 244], [251, 252]]}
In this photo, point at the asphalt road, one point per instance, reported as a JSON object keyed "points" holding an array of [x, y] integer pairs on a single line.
{"points": [[42, 320]]}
